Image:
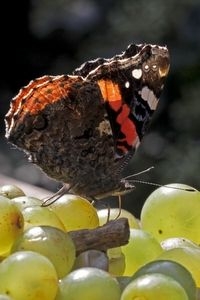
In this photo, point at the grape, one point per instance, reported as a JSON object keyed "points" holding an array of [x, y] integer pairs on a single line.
{"points": [[92, 258], [88, 283], [11, 225], [5, 297], [26, 201], [28, 275], [189, 257], [75, 212], [38, 215], [171, 212], [154, 286], [51, 242], [116, 261], [177, 242], [11, 191], [103, 216], [172, 269], [141, 249]]}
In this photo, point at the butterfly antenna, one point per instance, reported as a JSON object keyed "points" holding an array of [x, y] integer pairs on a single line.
{"points": [[161, 185], [131, 181], [139, 173]]}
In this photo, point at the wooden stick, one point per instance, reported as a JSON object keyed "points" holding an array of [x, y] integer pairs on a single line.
{"points": [[113, 234]]}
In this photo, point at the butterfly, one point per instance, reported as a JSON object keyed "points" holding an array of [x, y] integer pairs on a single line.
{"points": [[83, 129]]}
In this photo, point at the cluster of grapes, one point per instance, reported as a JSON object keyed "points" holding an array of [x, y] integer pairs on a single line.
{"points": [[39, 258]]}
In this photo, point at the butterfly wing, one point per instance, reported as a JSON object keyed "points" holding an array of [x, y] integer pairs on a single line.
{"points": [[131, 86]]}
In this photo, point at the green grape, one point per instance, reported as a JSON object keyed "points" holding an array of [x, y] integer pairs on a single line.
{"points": [[141, 249], [177, 242], [88, 283], [154, 286], [189, 257], [116, 261], [172, 269], [113, 213], [28, 275], [26, 201], [75, 212], [91, 258], [51, 242], [172, 211], [11, 224], [38, 215], [11, 191], [5, 297]]}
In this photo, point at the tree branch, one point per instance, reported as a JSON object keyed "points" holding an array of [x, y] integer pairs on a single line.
{"points": [[113, 234]]}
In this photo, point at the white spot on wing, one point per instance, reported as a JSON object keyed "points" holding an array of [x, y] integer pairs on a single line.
{"points": [[136, 143], [137, 73], [127, 84], [148, 95], [105, 128]]}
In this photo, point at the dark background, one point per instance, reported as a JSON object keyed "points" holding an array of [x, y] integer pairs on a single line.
{"points": [[41, 37]]}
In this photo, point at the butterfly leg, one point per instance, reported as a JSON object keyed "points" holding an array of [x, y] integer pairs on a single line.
{"points": [[50, 200]]}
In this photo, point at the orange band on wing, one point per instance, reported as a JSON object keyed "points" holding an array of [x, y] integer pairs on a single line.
{"points": [[111, 93]]}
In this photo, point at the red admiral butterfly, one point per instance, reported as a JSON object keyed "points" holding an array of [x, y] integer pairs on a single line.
{"points": [[83, 129]]}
